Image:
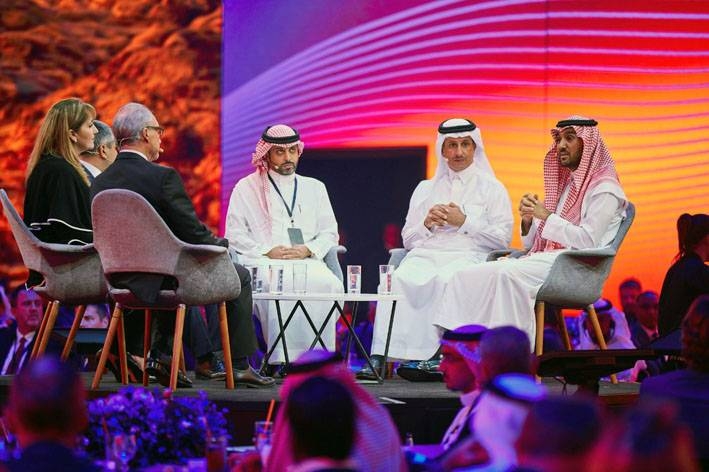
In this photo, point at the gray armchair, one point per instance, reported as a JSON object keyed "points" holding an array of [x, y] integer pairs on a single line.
{"points": [[131, 237], [72, 276], [575, 280]]}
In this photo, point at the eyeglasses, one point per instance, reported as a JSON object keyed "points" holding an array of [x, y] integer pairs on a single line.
{"points": [[158, 129]]}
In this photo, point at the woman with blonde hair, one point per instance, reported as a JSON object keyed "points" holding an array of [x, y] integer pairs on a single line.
{"points": [[57, 202]]}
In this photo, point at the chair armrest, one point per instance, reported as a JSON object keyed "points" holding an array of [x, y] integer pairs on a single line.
{"points": [[203, 250], [498, 253], [332, 262], [70, 248], [396, 255], [581, 253]]}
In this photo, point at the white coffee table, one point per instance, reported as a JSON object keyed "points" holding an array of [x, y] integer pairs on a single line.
{"points": [[338, 300]]}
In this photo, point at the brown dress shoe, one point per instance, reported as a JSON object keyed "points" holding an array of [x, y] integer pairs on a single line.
{"points": [[251, 378], [210, 370]]}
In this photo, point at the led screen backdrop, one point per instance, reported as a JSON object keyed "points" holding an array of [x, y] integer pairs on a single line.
{"points": [[385, 73]]}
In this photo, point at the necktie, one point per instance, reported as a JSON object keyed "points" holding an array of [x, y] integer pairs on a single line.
{"points": [[15, 362]]}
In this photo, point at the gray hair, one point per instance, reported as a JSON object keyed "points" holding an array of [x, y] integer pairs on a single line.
{"points": [[129, 121], [104, 136]]}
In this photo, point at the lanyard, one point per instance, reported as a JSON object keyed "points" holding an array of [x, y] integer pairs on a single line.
{"points": [[292, 205]]}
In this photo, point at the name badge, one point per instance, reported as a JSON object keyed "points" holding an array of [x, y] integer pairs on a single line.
{"points": [[296, 236]]}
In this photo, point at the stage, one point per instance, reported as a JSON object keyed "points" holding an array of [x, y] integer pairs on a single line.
{"points": [[424, 409]]}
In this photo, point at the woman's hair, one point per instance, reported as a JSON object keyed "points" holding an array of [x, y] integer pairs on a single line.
{"points": [[691, 229], [53, 137], [695, 334]]}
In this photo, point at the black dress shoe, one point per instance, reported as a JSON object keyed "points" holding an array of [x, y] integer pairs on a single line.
{"points": [[251, 378], [215, 371], [135, 373], [161, 371], [277, 371], [367, 373], [423, 371]]}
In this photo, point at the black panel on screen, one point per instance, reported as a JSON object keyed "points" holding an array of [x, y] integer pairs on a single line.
{"points": [[369, 188]]}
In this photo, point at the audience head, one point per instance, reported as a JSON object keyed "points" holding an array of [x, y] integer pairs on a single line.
{"points": [[503, 350], [321, 415], [460, 362], [650, 438], [136, 128], [105, 148], [27, 308], [559, 433], [629, 290], [693, 235], [278, 149], [95, 316], [66, 131], [47, 403], [646, 311], [605, 319], [695, 335]]}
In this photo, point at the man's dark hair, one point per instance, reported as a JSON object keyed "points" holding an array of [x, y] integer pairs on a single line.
{"points": [[321, 415], [16, 293], [505, 350], [631, 282], [46, 398]]}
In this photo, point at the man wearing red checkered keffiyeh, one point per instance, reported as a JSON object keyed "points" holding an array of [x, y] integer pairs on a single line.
{"points": [[583, 207], [268, 209]]}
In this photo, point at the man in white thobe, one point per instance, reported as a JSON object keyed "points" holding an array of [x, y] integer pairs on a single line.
{"points": [[583, 207], [454, 221], [277, 217]]}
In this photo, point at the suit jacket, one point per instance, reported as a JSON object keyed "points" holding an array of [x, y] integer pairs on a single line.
{"points": [[7, 338], [639, 336], [162, 187]]}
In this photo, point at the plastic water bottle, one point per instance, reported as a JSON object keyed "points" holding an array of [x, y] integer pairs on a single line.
{"points": [[409, 441]]}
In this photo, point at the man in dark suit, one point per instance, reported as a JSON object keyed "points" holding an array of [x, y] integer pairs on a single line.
{"points": [[47, 412], [644, 331], [138, 134], [102, 155], [17, 340]]}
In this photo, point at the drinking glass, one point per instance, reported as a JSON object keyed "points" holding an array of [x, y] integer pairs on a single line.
{"points": [[300, 278], [216, 453], [276, 285], [354, 278], [262, 438], [385, 274], [124, 448]]}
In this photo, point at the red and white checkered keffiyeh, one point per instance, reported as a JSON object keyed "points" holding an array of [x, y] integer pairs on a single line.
{"points": [[259, 160], [595, 167], [377, 446]]}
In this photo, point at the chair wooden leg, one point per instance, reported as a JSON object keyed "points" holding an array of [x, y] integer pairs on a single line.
{"points": [[122, 354], [599, 334], [177, 345], [44, 339], [226, 346], [78, 316], [105, 352], [147, 342], [539, 342], [564, 332], [40, 331]]}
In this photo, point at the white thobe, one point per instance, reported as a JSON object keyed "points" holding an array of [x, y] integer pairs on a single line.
{"points": [[462, 420], [313, 214], [434, 256], [503, 292]]}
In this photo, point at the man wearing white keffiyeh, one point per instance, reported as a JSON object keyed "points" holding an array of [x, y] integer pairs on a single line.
{"points": [[263, 207], [583, 207], [453, 221]]}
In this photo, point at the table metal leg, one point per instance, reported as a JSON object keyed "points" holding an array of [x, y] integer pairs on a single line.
{"points": [[318, 333], [386, 345]]}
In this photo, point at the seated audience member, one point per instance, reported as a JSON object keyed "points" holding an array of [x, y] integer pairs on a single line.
{"points": [[583, 208], [628, 292], [17, 340], [321, 415], [688, 277], [613, 325], [459, 365], [6, 316], [558, 434], [102, 154], [689, 387], [277, 216], [645, 330], [377, 446], [139, 137], [649, 438], [47, 413], [454, 220], [95, 316]]}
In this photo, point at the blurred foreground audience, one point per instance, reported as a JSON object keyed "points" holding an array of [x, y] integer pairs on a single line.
{"points": [[47, 412]]}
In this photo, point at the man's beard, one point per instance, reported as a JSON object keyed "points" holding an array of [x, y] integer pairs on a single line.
{"points": [[287, 168]]}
